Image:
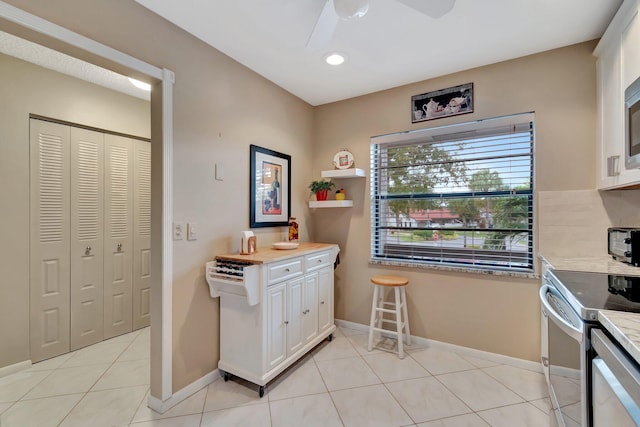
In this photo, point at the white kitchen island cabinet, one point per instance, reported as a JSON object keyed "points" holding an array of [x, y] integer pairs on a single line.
{"points": [[275, 306]]}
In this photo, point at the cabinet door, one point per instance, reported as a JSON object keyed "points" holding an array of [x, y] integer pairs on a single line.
{"points": [[276, 327], [631, 51], [87, 201], [295, 315], [325, 298], [310, 307], [50, 239], [610, 155], [141, 234], [118, 236]]}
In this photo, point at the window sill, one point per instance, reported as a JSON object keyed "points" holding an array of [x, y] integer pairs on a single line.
{"points": [[456, 268]]}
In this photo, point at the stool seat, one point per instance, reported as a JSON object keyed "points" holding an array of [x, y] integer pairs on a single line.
{"points": [[397, 308], [389, 280]]}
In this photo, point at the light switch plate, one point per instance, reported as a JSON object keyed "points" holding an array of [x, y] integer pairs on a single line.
{"points": [[192, 231], [178, 230], [219, 172]]}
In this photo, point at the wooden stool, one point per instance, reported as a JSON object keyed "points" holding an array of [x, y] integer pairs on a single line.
{"points": [[398, 308]]}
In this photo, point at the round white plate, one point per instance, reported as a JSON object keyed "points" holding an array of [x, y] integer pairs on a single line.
{"points": [[343, 160], [285, 245]]}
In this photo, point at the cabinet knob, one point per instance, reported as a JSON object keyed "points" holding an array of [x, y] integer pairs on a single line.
{"points": [[286, 322], [319, 261], [87, 250], [119, 247], [321, 302], [286, 270]]}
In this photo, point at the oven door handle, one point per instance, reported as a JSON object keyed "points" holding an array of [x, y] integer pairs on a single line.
{"points": [[548, 311]]}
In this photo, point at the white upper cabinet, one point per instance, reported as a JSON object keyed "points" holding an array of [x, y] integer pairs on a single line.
{"points": [[618, 66], [630, 57]]}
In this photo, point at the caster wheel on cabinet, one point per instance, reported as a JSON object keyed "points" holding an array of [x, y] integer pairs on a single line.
{"points": [[261, 391], [227, 376], [330, 338]]}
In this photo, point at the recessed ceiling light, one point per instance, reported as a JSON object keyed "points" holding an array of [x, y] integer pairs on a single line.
{"points": [[140, 85], [334, 59]]}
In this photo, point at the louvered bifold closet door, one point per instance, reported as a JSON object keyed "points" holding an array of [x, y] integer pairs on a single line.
{"points": [[118, 230], [49, 239], [87, 237], [141, 234]]}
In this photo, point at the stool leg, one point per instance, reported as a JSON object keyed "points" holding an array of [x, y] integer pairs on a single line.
{"points": [[380, 305], [399, 323], [406, 315], [374, 306]]}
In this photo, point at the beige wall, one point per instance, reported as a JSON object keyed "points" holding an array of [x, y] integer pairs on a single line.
{"points": [[220, 108], [491, 313], [28, 89]]}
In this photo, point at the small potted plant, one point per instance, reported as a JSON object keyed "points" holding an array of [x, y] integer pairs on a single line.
{"points": [[321, 188]]}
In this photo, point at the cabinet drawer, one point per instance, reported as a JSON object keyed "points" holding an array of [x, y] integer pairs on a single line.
{"points": [[285, 270], [317, 260]]}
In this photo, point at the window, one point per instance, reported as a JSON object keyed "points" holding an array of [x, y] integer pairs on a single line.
{"points": [[459, 195]]}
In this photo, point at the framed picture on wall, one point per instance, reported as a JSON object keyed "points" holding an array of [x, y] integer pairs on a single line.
{"points": [[270, 191], [442, 103]]}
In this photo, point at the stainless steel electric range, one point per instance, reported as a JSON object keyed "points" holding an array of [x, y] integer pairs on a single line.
{"points": [[570, 302]]}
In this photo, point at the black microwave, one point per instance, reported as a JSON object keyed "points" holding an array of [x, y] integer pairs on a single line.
{"points": [[632, 125], [624, 245]]}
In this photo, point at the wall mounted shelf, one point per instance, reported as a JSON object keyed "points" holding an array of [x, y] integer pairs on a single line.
{"points": [[344, 173], [331, 204]]}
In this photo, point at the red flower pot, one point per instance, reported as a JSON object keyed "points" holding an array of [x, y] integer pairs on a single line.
{"points": [[322, 195]]}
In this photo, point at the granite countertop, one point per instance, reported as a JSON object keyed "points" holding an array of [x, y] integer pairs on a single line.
{"points": [[596, 264], [625, 327], [267, 254]]}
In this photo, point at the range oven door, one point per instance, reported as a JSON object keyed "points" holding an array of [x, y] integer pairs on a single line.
{"points": [[563, 354]]}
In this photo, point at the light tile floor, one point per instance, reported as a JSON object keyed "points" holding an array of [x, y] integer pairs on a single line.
{"points": [[338, 384]]}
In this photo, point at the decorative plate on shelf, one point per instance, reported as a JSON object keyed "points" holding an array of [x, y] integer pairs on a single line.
{"points": [[343, 160], [285, 245]]}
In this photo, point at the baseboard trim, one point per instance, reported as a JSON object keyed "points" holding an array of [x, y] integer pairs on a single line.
{"points": [[161, 406], [16, 367], [472, 352]]}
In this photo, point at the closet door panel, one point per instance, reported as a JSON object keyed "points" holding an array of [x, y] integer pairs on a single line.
{"points": [[87, 237], [49, 239], [141, 234], [118, 236]]}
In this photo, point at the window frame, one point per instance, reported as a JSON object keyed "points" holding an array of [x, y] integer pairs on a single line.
{"points": [[441, 134]]}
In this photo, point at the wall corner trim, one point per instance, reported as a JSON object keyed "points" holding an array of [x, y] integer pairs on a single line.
{"points": [[182, 394]]}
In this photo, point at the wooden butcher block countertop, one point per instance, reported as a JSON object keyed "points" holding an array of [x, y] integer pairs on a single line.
{"points": [[266, 255]]}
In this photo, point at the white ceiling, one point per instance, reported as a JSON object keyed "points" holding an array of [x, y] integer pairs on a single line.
{"points": [[390, 46]]}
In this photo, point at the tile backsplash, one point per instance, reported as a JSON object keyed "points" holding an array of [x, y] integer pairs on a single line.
{"points": [[574, 223]]}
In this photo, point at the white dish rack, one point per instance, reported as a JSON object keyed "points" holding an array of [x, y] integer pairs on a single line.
{"points": [[234, 277]]}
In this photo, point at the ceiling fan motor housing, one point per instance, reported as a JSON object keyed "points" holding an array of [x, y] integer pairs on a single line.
{"points": [[350, 9]]}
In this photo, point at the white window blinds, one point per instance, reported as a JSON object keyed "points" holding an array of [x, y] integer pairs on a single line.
{"points": [[458, 195]]}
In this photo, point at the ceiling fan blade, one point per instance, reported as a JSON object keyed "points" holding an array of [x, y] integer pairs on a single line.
{"points": [[433, 8], [324, 28]]}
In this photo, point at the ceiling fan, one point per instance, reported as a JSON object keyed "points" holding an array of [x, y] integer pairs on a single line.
{"points": [[336, 10]]}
